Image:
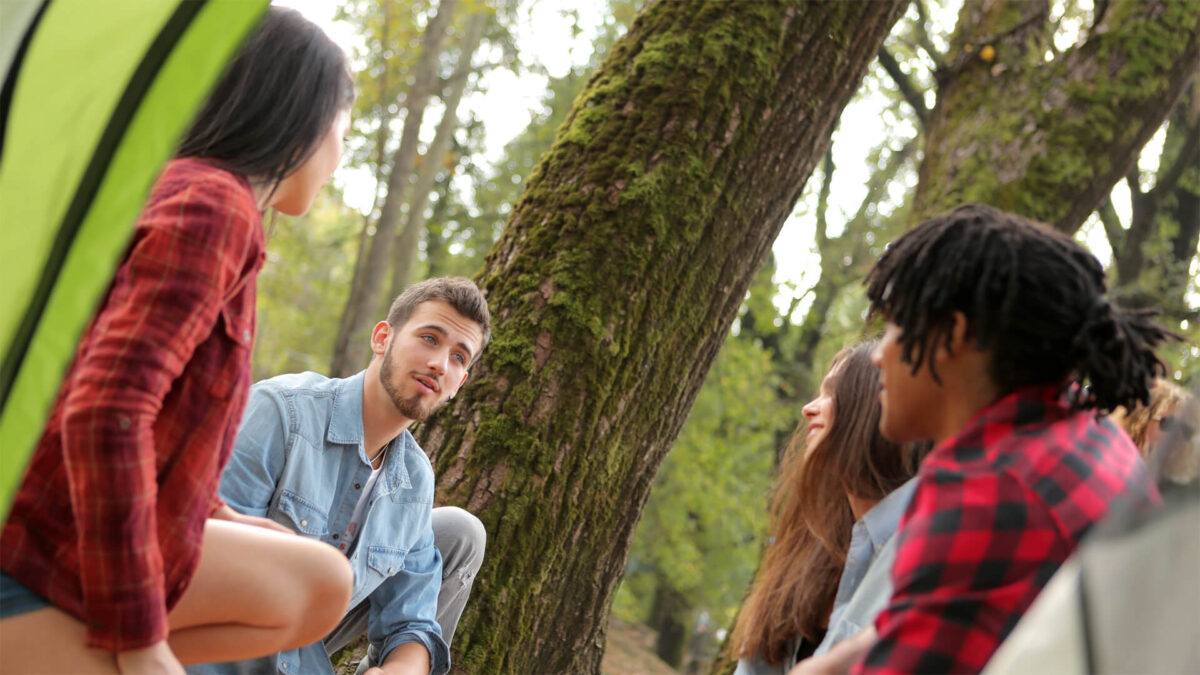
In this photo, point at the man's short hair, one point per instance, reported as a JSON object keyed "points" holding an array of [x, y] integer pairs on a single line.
{"points": [[460, 293]]}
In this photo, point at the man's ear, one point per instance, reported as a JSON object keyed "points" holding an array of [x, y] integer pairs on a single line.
{"points": [[461, 383], [958, 342], [379, 337]]}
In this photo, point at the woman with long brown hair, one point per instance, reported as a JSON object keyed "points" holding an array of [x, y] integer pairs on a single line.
{"points": [[831, 479]]}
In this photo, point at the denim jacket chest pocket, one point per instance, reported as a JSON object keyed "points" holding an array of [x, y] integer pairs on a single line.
{"points": [[386, 560], [305, 517]]}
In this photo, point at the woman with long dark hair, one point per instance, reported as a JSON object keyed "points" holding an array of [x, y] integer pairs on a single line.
{"points": [[840, 480], [117, 555]]}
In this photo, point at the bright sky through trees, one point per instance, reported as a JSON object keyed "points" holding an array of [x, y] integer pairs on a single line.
{"points": [[551, 41]]}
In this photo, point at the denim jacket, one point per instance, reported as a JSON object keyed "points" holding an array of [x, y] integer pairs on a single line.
{"points": [[866, 583], [299, 460]]}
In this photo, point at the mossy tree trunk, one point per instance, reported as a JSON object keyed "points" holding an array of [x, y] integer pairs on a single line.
{"points": [[613, 286], [1049, 138]]}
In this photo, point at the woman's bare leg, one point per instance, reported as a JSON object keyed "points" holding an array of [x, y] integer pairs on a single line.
{"points": [[49, 641], [256, 592]]}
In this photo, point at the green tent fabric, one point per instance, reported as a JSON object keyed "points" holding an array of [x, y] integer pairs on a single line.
{"points": [[96, 95]]}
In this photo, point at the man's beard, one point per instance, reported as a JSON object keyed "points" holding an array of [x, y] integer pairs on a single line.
{"points": [[410, 407]]}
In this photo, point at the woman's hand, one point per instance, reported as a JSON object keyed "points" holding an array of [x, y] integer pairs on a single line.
{"points": [[157, 659], [226, 513]]}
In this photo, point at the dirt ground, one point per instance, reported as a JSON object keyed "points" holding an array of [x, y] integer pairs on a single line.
{"points": [[630, 651]]}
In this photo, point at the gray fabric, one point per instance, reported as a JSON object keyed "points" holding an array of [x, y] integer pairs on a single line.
{"points": [[1141, 595], [461, 539]]}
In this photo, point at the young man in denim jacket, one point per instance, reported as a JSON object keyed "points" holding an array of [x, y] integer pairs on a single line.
{"points": [[332, 459]]}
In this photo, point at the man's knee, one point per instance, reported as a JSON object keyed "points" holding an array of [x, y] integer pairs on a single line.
{"points": [[460, 537]]}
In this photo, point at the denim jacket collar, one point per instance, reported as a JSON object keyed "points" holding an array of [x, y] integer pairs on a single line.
{"points": [[346, 428], [346, 420], [882, 519]]}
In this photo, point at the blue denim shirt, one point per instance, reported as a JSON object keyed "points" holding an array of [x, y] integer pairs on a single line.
{"points": [[299, 460], [866, 583]]}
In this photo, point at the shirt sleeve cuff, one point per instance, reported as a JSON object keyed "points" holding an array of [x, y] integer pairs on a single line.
{"points": [[123, 626], [439, 652]]}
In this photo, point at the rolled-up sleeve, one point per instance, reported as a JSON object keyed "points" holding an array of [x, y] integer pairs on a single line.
{"points": [[404, 607]]}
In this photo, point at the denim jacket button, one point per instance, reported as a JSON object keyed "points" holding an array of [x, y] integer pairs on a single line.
{"points": [[304, 523], [389, 570], [358, 486]]}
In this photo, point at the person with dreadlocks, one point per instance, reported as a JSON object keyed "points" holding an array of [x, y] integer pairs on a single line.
{"points": [[1002, 348]]}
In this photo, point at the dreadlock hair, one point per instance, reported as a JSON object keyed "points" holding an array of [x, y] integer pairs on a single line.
{"points": [[1031, 295]]}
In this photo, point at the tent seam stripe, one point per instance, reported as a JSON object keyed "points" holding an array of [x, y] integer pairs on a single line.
{"points": [[135, 92]]}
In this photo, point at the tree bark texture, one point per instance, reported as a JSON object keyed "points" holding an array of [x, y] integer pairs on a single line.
{"points": [[1049, 139], [612, 288], [351, 346], [409, 236]]}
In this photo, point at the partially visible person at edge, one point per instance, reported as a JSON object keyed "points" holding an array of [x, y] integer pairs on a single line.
{"points": [[333, 460], [1165, 420], [118, 556], [836, 503], [1002, 347]]}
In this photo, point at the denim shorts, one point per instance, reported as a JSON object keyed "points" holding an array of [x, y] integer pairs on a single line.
{"points": [[16, 599]]}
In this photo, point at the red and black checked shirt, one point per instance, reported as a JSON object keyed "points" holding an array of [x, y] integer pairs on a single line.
{"points": [[108, 521], [996, 510]]}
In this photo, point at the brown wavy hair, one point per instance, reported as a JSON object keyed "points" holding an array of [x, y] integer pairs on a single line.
{"points": [[794, 588]]}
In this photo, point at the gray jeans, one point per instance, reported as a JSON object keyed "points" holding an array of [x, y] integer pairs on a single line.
{"points": [[460, 538]]}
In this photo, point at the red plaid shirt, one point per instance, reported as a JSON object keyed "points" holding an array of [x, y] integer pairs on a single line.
{"points": [[996, 511], [108, 521]]}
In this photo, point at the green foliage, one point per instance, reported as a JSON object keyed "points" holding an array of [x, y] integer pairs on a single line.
{"points": [[704, 522], [303, 287]]}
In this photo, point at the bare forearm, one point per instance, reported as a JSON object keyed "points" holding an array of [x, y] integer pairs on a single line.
{"points": [[839, 659], [410, 658]]}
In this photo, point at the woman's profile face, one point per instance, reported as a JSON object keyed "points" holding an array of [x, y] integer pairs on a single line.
{"points": [[819, 411], [296, 192]]}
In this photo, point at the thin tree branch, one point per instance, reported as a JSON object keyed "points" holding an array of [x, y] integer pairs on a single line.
{"points": [[1113, 230], [827, 169], [1169, 178], [914, 98], [1134, 180], [1098, 12], [923, 39], [880, 179]]}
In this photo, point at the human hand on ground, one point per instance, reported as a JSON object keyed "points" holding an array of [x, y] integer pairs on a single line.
{"points": [[157, 659]]}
